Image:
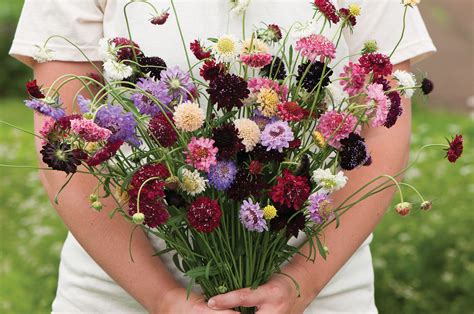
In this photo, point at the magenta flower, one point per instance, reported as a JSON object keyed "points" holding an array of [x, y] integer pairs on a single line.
{"points": [[256, 60], [201, 153], [376, 95], [335, 126], [89, 131], [315, 46], [354, 78]]}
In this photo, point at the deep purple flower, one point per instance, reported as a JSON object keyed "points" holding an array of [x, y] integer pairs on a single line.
{"points": [[120, 123], [158, 90], [178, 83], [60, 156], [277, 135], [51, 110], [395, 110], [251, 216], [427, 86], [153, 66], [354, 152], [228, 91], [222, 175]]}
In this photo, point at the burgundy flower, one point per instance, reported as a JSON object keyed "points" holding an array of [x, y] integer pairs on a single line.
{"points": [[384, 82], [211, 70], [204, 214], [328, 9], [246, 185], [161, 18], [162, 131], [34, 90], [396, 109], [125, 47], [199, 52], [427, 86], [152, 65], [346, 14], [104, 154], [226, 139], [377, 63], [59, 156], [228, 91], [455, 148], [255, 167], [290, 190]]}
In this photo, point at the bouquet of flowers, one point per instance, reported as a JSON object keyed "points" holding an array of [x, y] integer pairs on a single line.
{"points": [[228, 164]]}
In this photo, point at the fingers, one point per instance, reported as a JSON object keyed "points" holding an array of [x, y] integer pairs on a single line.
{"points": [[242, 297], [202, 308]]}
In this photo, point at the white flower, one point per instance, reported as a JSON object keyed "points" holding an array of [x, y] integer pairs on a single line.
{"points": [[305, 29], [188, 116], [329, 182], [106, 49], [192, 182], [239, 6], [226, 48], [335, 95], [406, 80], [411, 2], [248, 132], [116, 71], [43, 54]]}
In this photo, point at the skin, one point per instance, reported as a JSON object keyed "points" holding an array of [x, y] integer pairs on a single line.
{"points": [[390, 152]]}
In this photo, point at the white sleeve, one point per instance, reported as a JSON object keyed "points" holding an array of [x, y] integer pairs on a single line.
{"points": [[382, 20], [80, 21]]}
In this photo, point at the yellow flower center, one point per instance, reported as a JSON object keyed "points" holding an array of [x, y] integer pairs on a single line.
{"points": [[190, 184], [354, 9], [319, 139], [269, 212], [225, 46], [268, 100]]}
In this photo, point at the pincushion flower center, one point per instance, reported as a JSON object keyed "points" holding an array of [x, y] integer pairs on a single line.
{"points": [[201, 152], [279, 130], [226, 46], [175, 84], [60, 154]]}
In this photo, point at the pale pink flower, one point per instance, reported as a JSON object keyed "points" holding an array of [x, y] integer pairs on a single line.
{"points": [[201, 153], [376, 94], [335, 126], [354, 78], [46, 128], [315, 46], [256, 60], [89, 131], [255, 85]]}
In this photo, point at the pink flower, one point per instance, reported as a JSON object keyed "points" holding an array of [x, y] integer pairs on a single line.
{"points": [[46, 129], [258, 83], [335, 126], [354, 78], [201, 153], [89, 131], [256, 60], [376, 94], [315, 46]]}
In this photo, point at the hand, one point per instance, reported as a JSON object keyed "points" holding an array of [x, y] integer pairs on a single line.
{"points": [[278, 295], [175, 302]]}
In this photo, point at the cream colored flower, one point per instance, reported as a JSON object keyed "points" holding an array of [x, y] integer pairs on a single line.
{"points": [[411, 2], [107, 49], [248, 132], [267, 100], [405, 80], [328, 182], [43, 54], [192, 182], [188, 116], [254, 45], [226, 48], [239, 6], [116, 71]]}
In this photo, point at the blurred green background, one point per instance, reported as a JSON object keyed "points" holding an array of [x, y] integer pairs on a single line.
{"points": [[424, 263]]}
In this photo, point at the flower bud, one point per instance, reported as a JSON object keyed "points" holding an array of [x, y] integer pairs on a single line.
{"points": [[403, 208], [370, 46], [326, 250], [318, 138], [138, 218], [222, 289], [426, 205], [88, 116], [97, 205], [93, 198]]}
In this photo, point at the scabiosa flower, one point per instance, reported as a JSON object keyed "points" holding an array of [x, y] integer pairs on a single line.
{"points": [[201, 153], [319, 208], [46, 107], [251, 216], [256, 60], [226, 139], [395, 110], [146, 105], [403, 208], [89, 131], [327, 181], [222, 175], [125, 48], [47, 128], [314, 75], [260, 119], [277, 135], [346, 15], [153, 66], [269, 212], [60, 156], [83, 104], [188, 116], [353, 78], [105, 153], [255, 167], [199, 51], [354, 152], [288, 219], [246, 185], [177, 82], [377, 98], [160, 18], [407, 81], [455, 148], [43, 54], [211, 70], [248, 132], [385, 83], [204, 214], [291, 190], [122, 124], [192, 182], [275, 69], [291, 111], [335, 126], [226, 48], [147, 186], [270, 34], [116, 71], [377, 63], [261, 154], [34, 90], [267, 100], [315, 46], [327, 9], [162, 131], [228, 91], [426, 86], [239, 6]]}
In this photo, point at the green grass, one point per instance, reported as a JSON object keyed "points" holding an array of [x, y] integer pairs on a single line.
{"points": [[423, 262]]}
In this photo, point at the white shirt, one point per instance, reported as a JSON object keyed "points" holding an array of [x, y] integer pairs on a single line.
{"points": [[82, 284]]}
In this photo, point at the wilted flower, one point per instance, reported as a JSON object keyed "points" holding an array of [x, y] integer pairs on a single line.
{"points": [[403, 208], [426, 205], [199, 51], [455, 148]]}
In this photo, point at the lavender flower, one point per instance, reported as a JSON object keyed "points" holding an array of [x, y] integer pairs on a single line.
{"points": [[261, 120], [177, 83], [156, 88], [222, 175], [83, 103], [277, 135], [319, 208], [120, 123], [251, 216], [52, 110]]}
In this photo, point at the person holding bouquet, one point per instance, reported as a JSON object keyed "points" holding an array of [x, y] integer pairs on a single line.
{"points": [[96, 273]]}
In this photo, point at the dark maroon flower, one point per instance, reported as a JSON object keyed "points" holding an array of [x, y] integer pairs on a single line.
{"points": [[427, 86], [34, 90], [199, 52], [204, 214], [275, 70], [354, 152], [228, 91], [153, 66], [455, 148], [105, 153], [291, 190], [328, 9], [161, 18], [125, 47], [346, 14], [211, 70], [255, 167], [59, 156], [246, 185], [162, 131], [314, 75], [295, 144], [226, 139], [287, 219], [261, 154], [396, 109], [377, 63], [384, 82]]}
